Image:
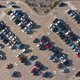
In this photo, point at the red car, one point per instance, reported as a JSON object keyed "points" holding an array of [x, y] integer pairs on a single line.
{"points": [[78, 55], [46, 42], [33, 70]]}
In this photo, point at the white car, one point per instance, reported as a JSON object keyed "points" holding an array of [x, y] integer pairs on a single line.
{"points": [[28, 27], [10, 2], [22, 22], [9, 34], [77, 42], [12, 17], [1, 56], [50, 26], [23, 50], [67, 32], [29, 24], [19, 54]]}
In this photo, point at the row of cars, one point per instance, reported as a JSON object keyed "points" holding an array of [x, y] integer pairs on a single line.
{"points": [[57, 55], [69, 37], [38, 68], [74, 14], [7, 36], [61, 57], [22, 20]]}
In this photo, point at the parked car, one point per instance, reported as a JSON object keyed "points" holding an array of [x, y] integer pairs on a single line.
{"points": [[35, 71], [20, 56], [77, 74], [46, 42], [65, 70], [62, 4], [15, 6], [47, 74], [9, 12], [60, 66], [16, 74]]}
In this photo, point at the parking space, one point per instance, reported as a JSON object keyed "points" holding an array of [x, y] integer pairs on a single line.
{"points": [[44, 21]]}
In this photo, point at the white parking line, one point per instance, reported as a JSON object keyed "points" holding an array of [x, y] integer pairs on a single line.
{"points": [[66, 11], [14, 51], [32, 48], [15, 64], [54, 17], [48, 33], [2, 15], [30, 36], [71, 6], [55, 72], [74, 68]]}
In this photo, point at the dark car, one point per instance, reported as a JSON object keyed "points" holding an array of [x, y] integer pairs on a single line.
{"points": [[69, 12], [61, 35], [17, 21], [47, 75], [9, 12], [15, 6], [65, 70], [21, 46], [56, 20], [35, 71], [1, 6], [2, 27], [55, 30], [51, 57], [37, 63], [6, 40], [16, 74], [2, 36], [1, 46], [74, 38], [60, 66], [68, 62], [33, 57], [78, 74], [62, 4]]}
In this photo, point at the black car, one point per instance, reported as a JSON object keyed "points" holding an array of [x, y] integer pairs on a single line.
{"points": [[33, 57], [56, 20], [70, 11], [2, 27], [15, 6], [60, 66], [16, 74], [65, 70], [61, 35], [17, 21], [51, 57], [22, 26], [2, 36], [74, 38], [6, 40], [78, 74], [68, 62], [1, 6], [47, 75], [62, 4], [55, 30], [9, 12]]}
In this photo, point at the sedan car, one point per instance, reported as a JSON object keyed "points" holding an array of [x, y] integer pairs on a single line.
{"points": [[46, 42]]}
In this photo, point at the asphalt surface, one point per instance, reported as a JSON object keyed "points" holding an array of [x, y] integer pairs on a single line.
{"points": [[44, 21]]}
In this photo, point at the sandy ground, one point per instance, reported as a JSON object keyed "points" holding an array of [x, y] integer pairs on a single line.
{"points": [[44, 21]]}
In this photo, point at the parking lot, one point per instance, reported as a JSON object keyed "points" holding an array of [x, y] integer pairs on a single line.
{"points": [[44, 21]]}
